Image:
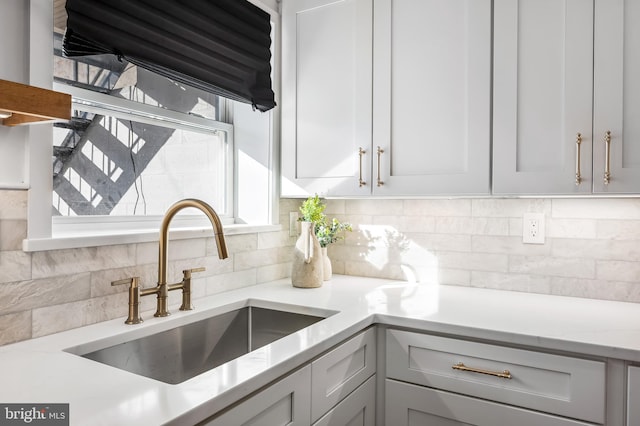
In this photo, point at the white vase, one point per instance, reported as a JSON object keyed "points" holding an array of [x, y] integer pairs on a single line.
{"points": [[327, 271], [306, 268]]}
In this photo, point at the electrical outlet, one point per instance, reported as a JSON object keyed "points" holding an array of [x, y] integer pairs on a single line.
{"points": [[533, 228], [293, 224]]}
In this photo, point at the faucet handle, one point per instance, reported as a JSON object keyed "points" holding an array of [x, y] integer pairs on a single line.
{"points": [[187, 272], [133, 281], [186, 288], [134, 299]]}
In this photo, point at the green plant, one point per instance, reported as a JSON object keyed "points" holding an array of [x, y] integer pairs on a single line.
{"points": [[312, 210], [329, 233]]}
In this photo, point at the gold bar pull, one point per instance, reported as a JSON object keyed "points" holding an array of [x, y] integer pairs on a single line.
{"points": [[361, 152], [607, 152], [578, 143], [380, 151], [505, 374]]}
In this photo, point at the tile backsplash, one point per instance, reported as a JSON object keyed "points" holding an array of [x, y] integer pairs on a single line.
{"points": [[592, 249]]}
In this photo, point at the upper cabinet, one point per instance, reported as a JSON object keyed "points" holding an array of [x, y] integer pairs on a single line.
{"points": [[431, 97], [616, 119], [543, 74], [410, 117], [326, 96], [561, 124], [393, 97]]}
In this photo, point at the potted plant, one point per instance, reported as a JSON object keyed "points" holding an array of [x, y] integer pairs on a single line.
{"points": [[327, 232], [307, 270]]}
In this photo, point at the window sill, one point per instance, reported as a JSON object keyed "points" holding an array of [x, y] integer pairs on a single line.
{"points": [[70, 240]]}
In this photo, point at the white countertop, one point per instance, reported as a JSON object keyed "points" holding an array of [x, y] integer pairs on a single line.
{"points": [[39, 371]]}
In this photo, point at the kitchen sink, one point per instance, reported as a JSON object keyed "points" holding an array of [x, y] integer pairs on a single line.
{"points": [[178, 354]]}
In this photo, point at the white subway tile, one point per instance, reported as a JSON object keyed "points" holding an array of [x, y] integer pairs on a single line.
{"points": [[507, 245], [570, 228], [490, 226], [509, 207], [438, 208], [618, 229], [597, 249], [454, 225], [12, 232], [13, 204], [71, 261], [615, 270], [15, 327], [552, 266], [25, 295], [596, 289], [15, 266], [374, 207], [474, 261], [511, 282], [597, 208]]}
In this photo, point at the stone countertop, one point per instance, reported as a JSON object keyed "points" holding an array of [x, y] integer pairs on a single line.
{"points": [[40, 371]]}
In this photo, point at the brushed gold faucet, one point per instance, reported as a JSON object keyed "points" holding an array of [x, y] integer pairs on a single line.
{"points": [[162, 289]]}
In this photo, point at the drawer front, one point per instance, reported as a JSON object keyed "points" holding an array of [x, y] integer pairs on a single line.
{"points": [[339, 372], [411, 405], [357, 409], [285, 403], [567, 386]]}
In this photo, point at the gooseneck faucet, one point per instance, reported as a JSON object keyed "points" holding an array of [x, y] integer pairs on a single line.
{"points": [[163, 288]]}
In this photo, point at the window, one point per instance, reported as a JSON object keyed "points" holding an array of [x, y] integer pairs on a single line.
{"points": [[134, 110], [137, 141]]}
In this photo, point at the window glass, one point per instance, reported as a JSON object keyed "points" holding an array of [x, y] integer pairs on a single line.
{"points": [[131, 161], [103, 165]]}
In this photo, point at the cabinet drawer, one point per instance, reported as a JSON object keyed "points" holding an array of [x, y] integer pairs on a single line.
{"points": [[417, 406], [356, 409], [339, 372], [563, 385]]}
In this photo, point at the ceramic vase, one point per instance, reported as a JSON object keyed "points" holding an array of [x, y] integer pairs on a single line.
{"points": [[326, 265], [306, 269]]}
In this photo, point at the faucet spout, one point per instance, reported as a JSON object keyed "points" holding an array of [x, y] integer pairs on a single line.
{"points": [[163, 260]]}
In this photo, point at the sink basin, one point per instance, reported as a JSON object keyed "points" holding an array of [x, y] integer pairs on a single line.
{"points": [[178, 354]]}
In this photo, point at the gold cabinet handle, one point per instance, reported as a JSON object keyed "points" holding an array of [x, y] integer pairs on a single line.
{"points": [[578, 143], [505, 374], [607, 152], [361, 152], [380, 152]]}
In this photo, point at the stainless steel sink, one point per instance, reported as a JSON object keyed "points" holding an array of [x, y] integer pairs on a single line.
{"points": [[178, 354]]}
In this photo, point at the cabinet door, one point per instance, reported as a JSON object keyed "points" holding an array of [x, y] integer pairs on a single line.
{"points": [[357, 409], [431, 112], [326, 96], [413, 405], [543, 77], [633, 396], [287, 402], [339, 372], [617, 96]]}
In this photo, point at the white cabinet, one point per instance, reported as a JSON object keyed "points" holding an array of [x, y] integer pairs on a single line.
{"points": [[633, 396], [573, 79], [357, 409], [287, 402], [617, 96], [326, 96], [527, 385], [542, 99], [431, 97]]}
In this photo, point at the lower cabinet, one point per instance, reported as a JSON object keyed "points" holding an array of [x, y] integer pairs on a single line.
{"points": [[336, 389], [433, 380]]}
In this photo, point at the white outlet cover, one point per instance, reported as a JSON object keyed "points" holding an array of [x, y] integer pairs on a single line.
{"points": [[533, 229]]}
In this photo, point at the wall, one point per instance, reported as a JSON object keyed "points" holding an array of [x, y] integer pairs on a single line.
{"points": [[592, 246]]}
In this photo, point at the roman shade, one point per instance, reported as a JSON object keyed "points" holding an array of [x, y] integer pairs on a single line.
{"points": [[221, 46]]}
